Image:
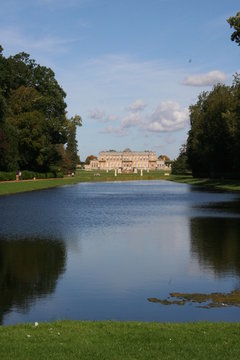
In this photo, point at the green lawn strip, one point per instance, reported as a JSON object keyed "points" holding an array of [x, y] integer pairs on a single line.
{"points": [[120, 340], [7, 188], [217, 184]]}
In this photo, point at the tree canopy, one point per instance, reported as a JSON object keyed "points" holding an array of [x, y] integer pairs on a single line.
{"points": [[33, 122], [89, 158], [213, 143], [181, 165], [164, 158], [234, 22]]}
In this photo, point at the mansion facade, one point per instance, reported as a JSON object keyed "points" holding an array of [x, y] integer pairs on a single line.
{"points": [[127, 161]]}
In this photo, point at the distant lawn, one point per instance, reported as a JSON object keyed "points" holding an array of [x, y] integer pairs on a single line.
{"points": [[120, 340], [10, 187], [218, 184]]}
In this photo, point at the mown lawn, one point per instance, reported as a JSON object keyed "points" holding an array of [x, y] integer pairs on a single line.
{"points": [[120, 340], [218, 184], [12, 187]]}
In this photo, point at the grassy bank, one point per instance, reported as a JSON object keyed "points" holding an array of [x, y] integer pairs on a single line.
{"points": [[120, 340], [12, 187], [217, 184]]}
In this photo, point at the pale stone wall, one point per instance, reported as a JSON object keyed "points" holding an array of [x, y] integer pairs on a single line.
{"points": [[87, 167], [162, 166], [92, 166], [127, 161]]}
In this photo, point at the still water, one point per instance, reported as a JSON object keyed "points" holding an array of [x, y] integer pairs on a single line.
{"points": [[98, 251]]}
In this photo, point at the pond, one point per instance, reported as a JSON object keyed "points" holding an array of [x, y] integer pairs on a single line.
{"points": [[99, 251]]}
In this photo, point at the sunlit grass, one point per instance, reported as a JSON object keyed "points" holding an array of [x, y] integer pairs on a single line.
{"points": [[120, 340], [218, 184], [13, 187]]}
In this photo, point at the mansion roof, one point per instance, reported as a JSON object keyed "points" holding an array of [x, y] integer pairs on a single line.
{"points": [[127, 151]]}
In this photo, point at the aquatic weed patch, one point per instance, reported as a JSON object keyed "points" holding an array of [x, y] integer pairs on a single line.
{"points": [[207, 301]]}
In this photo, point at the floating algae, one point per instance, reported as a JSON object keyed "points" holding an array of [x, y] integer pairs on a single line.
{"points": [[208, 301], [167, 302]]}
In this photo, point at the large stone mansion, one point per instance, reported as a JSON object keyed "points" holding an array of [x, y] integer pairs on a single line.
{"points": [[127, 161]]}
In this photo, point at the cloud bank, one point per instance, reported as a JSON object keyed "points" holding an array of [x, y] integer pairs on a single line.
{"points": [[167, 117], [208, 79], [100, 114], [138, 105]]}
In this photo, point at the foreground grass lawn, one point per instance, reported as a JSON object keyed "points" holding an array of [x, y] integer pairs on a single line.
{"points": [[12, 187], [120, 340]]}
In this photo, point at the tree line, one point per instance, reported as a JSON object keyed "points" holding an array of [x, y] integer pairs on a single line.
{"points": [[35, 133], [213, 144]]}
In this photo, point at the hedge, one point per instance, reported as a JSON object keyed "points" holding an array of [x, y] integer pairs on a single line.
{"points": [[28, 175]]}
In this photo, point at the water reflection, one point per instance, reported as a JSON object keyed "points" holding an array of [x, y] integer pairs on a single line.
{"points": [[215, 243], [125, 242], [29, 270], [230, 207]]}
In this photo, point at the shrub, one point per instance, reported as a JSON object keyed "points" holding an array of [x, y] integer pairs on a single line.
{"points": [[29, 175], [50, 175], [59, 174], [6, 176]]}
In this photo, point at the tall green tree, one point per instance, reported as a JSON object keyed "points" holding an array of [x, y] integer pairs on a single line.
{"points": [[234, 22], [33, 123], [213, 144], [71, 148], [232, 116], [210, 144], [181, 165]]}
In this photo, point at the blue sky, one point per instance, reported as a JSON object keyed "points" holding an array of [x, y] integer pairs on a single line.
{"points": [[130, 68]]}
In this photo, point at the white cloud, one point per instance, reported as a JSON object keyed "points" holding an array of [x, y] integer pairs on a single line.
{"points": [[111, 118], [118, 131], [114, 79], [138, 105], [131, 120], [208, 79], [167, 117], [100, 114], [97, 114]]}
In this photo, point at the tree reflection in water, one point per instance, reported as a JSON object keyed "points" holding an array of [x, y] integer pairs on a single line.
{"points": [[29, 269], [216, 244]]}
